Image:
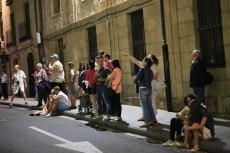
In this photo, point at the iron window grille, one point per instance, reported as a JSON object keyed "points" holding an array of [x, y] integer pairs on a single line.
{"points": [[211, 33], [138, 37], [92, 35]]}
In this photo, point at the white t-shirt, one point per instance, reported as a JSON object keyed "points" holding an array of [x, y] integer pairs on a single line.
{"points": [[3, 78], [19, 76], [63, 98]]}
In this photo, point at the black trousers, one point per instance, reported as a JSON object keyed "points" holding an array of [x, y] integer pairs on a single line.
{"points": [[175, 126], [4, 90], [43, 94], [54, 84], [116, 104]]}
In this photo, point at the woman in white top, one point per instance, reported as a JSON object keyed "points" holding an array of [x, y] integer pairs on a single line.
{"points": [[155, 77]]}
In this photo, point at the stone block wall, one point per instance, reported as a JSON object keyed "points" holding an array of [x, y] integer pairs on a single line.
{"points": [[114, 36]]}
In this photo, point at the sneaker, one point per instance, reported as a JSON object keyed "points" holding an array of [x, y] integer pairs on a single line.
{"points": [[97, 117], [179, 144], [107, 117], [169, 143], [48, 115]]}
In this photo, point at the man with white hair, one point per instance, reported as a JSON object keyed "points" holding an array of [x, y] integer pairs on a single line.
{"points": [[57, 72], [197, 76], [19, 82]]}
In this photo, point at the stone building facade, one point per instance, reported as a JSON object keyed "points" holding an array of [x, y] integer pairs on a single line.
{"points": [[19, 27], [78, 29]]}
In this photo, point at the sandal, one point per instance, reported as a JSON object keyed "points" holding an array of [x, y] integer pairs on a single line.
{"points": [[37, 114], [193, 150], [10, 106], [144, 126], [141, 119], [32, 114]]}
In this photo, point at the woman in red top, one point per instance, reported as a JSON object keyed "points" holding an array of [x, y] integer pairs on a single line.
{"points": [[91, 88]]}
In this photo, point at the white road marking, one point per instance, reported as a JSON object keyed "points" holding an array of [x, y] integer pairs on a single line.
{"points": [[21, 108], [135, 135], [84, 146], [82, 121]]}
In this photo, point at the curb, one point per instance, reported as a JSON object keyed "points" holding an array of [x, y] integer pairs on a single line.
{"points": [[158, 132]]}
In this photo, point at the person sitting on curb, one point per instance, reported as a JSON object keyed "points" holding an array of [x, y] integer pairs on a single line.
{"points": [[60, 99], [201, 122], [46, 108], [176, 124]]}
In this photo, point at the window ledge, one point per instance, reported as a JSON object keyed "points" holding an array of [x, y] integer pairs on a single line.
{"points": [[55, 15]]}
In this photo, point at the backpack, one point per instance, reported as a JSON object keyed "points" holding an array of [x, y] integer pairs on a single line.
{"points": [[208, 78]]}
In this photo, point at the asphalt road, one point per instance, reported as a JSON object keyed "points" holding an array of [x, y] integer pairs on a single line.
{"points": [[21, 133]]}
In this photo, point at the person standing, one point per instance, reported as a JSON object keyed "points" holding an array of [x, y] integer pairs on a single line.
{"points": [[72, 81], [115, 77], [197, 76], [4, 85], [40, 79], [57, 72], [101, 90], [155, 70], [19, 82], [144, 78], [107, 61]]}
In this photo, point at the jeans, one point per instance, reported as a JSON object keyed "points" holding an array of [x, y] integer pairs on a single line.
{"points": [[175, 126], [145, 95], [199, 92], [63, 107], [102, 92]]}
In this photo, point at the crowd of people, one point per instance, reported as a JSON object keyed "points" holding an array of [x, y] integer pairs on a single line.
{"points": [[93, 79]]}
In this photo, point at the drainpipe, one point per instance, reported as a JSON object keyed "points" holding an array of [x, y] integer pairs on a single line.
{"points": [[166, 60], [36, 25], [41, 33]]}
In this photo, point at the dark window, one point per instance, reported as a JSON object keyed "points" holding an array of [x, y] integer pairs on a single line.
{"points": [[138, 37], [56, 7], [92, 34], [211, 33], [10, 34], [1, 32], [24, 27]]}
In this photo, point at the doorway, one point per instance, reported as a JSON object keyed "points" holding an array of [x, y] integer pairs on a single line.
{"points": [[31, 69]]}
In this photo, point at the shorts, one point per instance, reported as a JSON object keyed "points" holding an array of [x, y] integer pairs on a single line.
{"points": [[92, 90], [63, 107], [17, 87]]}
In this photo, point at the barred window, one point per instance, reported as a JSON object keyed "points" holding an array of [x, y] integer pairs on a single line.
{"points": [[211, 33], [92, 34], [138, 37]]}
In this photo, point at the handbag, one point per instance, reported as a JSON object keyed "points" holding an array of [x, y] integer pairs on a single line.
{"points": [[112, 92], [67, 86], [159, 85], [108, 83]]}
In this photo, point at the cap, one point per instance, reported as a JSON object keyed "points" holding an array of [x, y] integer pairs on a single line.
{"points": [[54, 56]]}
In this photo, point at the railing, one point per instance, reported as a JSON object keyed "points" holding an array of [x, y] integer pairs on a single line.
{"points": [[10, 38], [92, 35], [211, 33], [24, 31], [138, 37], [8, 2]]}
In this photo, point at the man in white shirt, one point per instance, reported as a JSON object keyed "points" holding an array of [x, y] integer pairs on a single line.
{"points": [[63, 102], [57, 72], [4, 85], [19, 82]]}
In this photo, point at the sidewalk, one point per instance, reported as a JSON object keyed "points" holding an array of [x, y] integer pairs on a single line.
{"points": [[160, 131]]}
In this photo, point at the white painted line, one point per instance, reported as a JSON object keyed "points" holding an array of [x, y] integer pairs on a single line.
{"points": [[49, 134], [135, 135], [21, 108], [82, 121], [84, 146], [221, 120]]}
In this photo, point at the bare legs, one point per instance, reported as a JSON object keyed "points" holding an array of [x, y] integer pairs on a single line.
{"points": [[93, 100], [73, 100]]}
